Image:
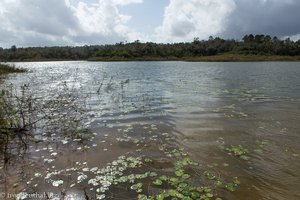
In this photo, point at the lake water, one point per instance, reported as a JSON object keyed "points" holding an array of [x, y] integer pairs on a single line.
{"points": [[155, 109]]}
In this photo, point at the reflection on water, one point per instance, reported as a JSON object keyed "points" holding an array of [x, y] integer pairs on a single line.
{"points": [[135, 106]]}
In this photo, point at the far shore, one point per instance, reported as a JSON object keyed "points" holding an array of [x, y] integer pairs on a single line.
{"points": [[215, 58]]}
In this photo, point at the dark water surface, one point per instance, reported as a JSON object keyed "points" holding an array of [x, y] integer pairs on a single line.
{"points": [[133, 107]]}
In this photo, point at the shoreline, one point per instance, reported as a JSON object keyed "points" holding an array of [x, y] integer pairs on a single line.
{"points": [[215, 58]]}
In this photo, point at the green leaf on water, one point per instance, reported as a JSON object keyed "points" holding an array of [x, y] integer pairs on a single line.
{"points": [[218, 183], [174, 193], [185, 176], [182, 185], [209, 175], [160, 197], [142, 197], [157, 182], [209, 195], [243, 157], [163, 178], [174, 180], [152, 174], [206, 190], [230, 187], [179, 172], [137, 187]]}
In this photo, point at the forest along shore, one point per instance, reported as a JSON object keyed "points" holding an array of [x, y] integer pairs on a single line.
{"points": [[250, 48]]}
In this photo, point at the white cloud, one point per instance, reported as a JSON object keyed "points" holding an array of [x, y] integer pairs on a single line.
{"points": [[125, 2], [31, 21], [275, 17], [61, 22], [103, 18], [75, 22], [103, 23], [37, 16], [295, 37], [185, 20]]}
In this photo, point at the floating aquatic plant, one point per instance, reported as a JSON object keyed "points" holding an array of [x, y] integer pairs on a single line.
{"points": [[57, 183], [81, 178], [232, 186], [238, 151]]}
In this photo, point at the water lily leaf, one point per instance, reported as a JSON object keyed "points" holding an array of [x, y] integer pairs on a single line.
{"points": [[209, 175], [230, 187], [185, 176], [157, 182], [137, 187], [160, 197], [218, 183], [174, 193], [179, 172], [209, 195], [153, 174], [174, 180], [163, 178]]}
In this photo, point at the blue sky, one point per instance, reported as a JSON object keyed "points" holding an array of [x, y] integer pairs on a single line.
{"points": [[146, 15], [84, 22]]}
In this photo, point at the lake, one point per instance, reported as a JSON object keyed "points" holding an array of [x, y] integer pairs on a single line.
{"points": [[128, 130]]}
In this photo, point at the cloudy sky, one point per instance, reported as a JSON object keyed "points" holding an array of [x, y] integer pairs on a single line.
{"points": [[79, 22]]}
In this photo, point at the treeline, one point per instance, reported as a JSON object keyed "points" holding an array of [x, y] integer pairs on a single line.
{"points": [[249, 45]]}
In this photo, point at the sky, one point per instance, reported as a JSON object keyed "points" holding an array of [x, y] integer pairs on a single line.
{"points": [[88, 22]]}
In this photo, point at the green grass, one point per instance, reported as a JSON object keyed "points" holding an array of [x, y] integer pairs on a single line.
{"points": [[7, 69]]}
